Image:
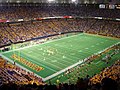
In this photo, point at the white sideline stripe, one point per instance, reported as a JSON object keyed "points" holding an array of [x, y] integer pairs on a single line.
{"points": [[42, 43], [68, 48], [47, 78], [41, 64], [98, 62], [101, 36], [55, 74], [49, 63], [107, 48], [61, 71], [19, 65], [30, 60]]}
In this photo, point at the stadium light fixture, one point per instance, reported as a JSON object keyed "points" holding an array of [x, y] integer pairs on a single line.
{"points": [[86, 1], [51, 0], [18, 1], [74, 0], [6, 1]]}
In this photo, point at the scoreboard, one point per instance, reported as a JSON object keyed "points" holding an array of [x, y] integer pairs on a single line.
{"points": [[109, 6], [117, 6]]}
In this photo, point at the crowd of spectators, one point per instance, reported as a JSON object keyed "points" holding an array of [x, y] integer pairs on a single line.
{"points": [[108, 79], [112, 72], [15, 78], [10, 33], [12, 73], [30, 12], [105, 27], [15, 32], [20, 32]]}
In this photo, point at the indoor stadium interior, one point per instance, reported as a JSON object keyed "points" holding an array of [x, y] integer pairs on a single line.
{"points": [[59, 44]]}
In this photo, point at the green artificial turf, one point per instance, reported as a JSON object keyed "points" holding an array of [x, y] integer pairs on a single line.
{"points": [[56, 55]]}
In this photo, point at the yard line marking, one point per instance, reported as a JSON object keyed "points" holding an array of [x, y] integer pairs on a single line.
{"points": [[61, 54], [92, 46], [8, 59], [62, 60], [41, 64], [54, 61], [63, 70], [80, 51], [50, 59], [43, 43], [43, 61], [98, 62], [72, 53], [64, 56], [69, 49], [30, 52], [119, 42], [55, 58]]}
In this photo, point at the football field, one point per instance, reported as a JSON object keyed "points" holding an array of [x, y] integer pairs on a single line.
{"points": [[53, 57]]}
